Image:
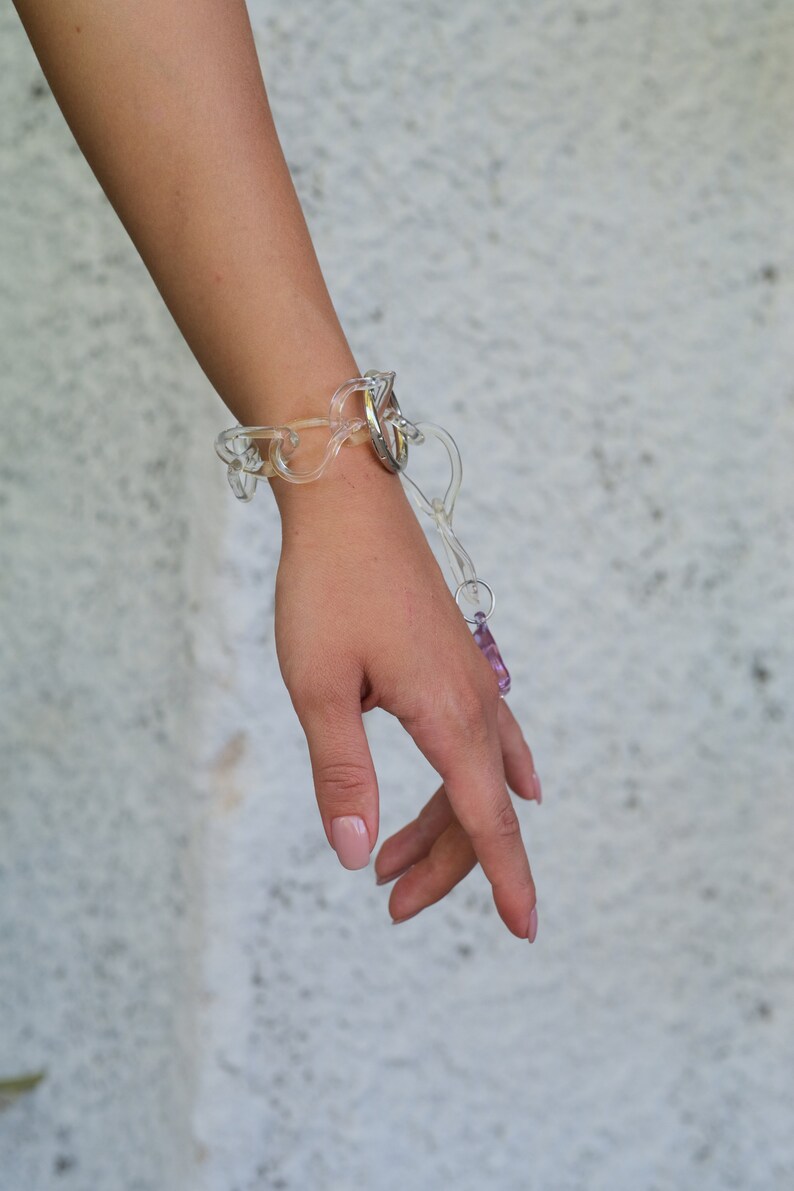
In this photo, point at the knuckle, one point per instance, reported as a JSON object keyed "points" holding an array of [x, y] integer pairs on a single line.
{"points": [[420, 717], [463, 697], [457, 697], [491, 819], [505, 822], [341, 779], [456, 715], [468, 716], [424, 718]]}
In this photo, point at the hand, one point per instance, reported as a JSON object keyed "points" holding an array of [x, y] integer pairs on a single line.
{"points": [[364, 619]]}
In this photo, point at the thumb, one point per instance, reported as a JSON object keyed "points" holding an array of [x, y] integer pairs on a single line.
{"points": [[344, 775]]}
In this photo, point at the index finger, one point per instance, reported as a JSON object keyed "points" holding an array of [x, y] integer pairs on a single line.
{"points": [[462, 744]]}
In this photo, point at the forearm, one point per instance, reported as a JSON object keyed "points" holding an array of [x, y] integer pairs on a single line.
{"points": [[167, 102]]}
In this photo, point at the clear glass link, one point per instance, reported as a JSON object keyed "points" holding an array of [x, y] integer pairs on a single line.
{"points": [[239, 450]]}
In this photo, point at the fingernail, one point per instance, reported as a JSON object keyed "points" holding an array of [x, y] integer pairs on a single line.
{"points": [[396, 921], [351, 841], [533, 924], [538, 789], [392, 876]]}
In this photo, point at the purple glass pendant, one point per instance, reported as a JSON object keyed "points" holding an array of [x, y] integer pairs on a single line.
{"points": [[484, 638]]}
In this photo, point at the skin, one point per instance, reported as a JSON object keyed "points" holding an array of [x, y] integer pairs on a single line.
{"points": [[167, 102]]}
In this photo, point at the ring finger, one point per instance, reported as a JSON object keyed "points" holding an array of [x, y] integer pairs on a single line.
{"points": [[449, 860]]}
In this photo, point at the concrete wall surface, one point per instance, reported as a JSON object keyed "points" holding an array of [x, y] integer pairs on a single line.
{"points": [[568, 229]]}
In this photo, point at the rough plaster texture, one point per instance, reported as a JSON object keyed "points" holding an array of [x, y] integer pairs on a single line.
{"points": [[576, 218]]}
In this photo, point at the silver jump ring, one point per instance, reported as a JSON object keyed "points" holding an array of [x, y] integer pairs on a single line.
{"points": [[478, 583], [391, 460]]}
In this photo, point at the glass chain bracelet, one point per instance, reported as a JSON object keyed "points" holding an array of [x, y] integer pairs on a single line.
{"points": [[246, 465]]}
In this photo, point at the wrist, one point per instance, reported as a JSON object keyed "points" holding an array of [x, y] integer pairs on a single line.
{"points": [[329, 487], [354, 480]]}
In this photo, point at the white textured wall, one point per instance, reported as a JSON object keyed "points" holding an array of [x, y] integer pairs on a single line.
{"points": [[574, 222]]}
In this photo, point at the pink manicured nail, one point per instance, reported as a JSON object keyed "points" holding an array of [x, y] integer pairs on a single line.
{"points": [[351, 841], [538, 789], [533, 924]]}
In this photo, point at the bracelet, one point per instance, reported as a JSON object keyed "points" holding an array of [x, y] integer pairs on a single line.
{"points": [[245, 466]]}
